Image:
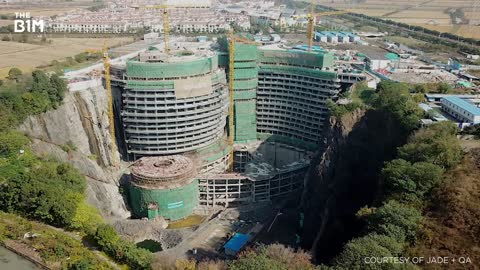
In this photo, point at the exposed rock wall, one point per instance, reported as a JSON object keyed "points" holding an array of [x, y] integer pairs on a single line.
{"points": [[82, 121], [345, 179]]}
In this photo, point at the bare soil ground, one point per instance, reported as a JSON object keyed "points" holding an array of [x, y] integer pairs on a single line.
{"points": [[427, 13], [29, 56]]}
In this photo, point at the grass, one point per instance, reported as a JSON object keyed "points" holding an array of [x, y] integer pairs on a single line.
{"points": [[27, 57], [188, 222], [411, 42], [362, 94]]}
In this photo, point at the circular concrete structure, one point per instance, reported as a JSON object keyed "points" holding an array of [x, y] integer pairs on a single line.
{"points": [[173, 107], [162, 172], [164, 186]]}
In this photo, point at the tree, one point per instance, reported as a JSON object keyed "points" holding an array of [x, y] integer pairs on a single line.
{"points": [[395, 220], [410, 182], [36, 102], [444, 88], [394, 98], [420, 88], [11, 142], [107, 238], [436, 144], [14, 74], [41, 82], [253, 260], [86, 218], [57, 90], [372, 245]]}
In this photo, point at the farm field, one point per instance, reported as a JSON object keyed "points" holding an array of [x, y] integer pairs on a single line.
{"points": [[28, 56], [43, 7], [427, 13]]}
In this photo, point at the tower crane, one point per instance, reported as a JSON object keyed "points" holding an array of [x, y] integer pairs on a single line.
{"points": [[108, 86], [232, 39], [166, 24], [311, 21]]}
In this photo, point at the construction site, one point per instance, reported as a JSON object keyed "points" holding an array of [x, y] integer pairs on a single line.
{"points": [[177, 106], [216, 125]]}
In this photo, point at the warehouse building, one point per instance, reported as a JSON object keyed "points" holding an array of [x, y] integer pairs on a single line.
{"points": [[461, 109]]}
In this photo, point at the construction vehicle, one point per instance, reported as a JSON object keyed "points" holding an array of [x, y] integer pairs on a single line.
{"points": [[108, 87], [232, 39]]}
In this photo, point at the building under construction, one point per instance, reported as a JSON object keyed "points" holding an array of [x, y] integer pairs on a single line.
{"points": [[178, 105]]}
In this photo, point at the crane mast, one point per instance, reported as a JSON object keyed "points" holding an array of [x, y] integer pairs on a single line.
{"points": [[231, 84], [311, 25]]}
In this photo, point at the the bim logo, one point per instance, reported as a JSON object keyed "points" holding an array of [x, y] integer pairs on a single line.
{"points": [[24, 23]]}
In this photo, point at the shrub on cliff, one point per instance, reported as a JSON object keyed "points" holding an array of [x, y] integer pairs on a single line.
{"points": [[395, 220], [43, 190], [410, 182], [436, 144], [395, 99], [274, 256], [29, 95], [122, 251]]}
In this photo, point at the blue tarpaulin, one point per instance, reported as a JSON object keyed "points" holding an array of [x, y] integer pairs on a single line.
{"points": [[234, 245]]}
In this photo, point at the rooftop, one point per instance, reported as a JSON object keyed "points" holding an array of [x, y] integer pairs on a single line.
{"points": [[163, 171], [465, 105]]}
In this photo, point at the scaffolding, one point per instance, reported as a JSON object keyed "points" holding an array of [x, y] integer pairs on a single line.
{"points": [[245, 92]]}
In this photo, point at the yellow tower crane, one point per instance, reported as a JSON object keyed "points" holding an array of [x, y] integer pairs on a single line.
{"points": [[311, 21], [108, 86], [232, 39], [166, 24]]}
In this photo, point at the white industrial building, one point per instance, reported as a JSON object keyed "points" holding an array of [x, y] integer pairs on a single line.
{"points": [[461, 109]]}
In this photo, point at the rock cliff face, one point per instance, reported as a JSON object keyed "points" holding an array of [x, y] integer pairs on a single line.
{"points": [[82, 123], [345, 179], [81, 120]]}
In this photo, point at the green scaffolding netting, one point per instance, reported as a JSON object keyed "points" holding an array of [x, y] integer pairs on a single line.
{"points": [[245, 121], [172, 204], [171, 70]]}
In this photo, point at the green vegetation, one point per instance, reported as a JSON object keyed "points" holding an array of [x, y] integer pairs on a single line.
{"points": [[390, 97], [338, 111], [371, 245], [14, 74], [362, 93], [44, 190], [56, 248], [407, 183], [78, 61], [410, 182], [190, 221], [394, 99], [25, 95], [47, 190], [272, 257], [396, 220], [437, 145], [111, 243]]}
